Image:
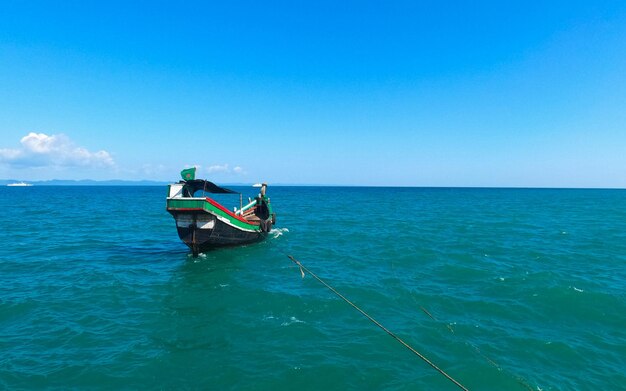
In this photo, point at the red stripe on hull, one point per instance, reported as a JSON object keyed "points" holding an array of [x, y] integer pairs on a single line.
{"points": [[231, 214], [218, 206]]}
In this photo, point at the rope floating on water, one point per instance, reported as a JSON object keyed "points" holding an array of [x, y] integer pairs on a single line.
{"points": [[519, 379], [406, 345]]}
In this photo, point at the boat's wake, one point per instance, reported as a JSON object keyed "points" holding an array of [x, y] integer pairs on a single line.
{"points": [[277, 232]]}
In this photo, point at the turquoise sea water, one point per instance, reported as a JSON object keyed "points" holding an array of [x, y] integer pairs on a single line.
{"points": [[526, 289]]}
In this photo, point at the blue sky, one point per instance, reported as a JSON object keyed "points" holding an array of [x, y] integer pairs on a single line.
{"points": [[355, 93]]}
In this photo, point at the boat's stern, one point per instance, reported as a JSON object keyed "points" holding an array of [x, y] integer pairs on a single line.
{"points": [[203, 224]]}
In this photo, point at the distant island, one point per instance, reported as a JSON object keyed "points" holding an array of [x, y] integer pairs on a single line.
{"points": [[84, 182], [121, 182]]}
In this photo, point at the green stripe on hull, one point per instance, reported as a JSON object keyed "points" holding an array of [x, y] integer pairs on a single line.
{"points": [[201, 203]]}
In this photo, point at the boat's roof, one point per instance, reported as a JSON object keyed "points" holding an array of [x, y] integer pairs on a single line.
{"points": [[209, 187]]}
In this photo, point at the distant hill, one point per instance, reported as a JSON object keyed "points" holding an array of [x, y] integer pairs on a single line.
{"points": [[85, 182], [120, 182]]}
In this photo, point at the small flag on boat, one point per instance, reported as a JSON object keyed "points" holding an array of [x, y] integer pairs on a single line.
{"points": [[188, 174]]}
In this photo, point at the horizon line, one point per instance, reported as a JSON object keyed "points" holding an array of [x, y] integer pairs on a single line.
{"points": [[150, 182]]}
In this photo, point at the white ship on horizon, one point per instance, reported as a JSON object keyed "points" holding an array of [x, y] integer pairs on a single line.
{"points": [[19, 184]]}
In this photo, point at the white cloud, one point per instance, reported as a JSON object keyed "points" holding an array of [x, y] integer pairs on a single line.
{"points": [[224, 169], [218, 168], [57, 150]]}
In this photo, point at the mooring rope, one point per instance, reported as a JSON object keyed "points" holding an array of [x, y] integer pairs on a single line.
{"points": [[523, 382], [406, 345]]}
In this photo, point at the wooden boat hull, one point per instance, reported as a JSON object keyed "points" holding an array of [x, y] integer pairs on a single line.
{"points": [[202, 232], [203, 224]]}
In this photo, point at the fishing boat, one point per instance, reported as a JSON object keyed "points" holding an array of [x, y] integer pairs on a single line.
{"points": [[204, 224]]}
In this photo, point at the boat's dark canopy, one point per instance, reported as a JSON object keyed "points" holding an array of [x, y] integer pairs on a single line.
{"points": [[200, 184]]}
